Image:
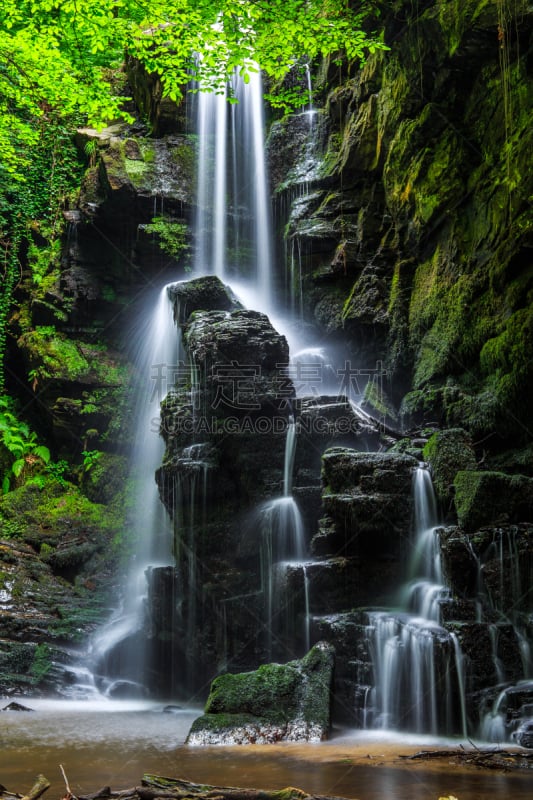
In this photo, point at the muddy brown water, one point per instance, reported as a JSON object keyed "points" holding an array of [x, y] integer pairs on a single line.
{"points": [[114, 743]]}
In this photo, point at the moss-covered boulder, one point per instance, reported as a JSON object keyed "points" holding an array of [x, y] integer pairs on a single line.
{"points": [[277, 702], [485, 498], [447, 452]]}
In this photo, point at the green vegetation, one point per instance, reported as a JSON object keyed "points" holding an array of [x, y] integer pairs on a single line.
{"points": [[171, 235], [42, 663], [61, 64], [21, 455]]}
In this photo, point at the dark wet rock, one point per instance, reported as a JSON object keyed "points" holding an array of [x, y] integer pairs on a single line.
{"points": [[134, 169], [337, 584], [345, 470], [207, 293], [162, 114], [79, 385], [524, 734], [278, 702], [481, 645], [197, 471], [13, 706], [494, 562], [367, 500], [324, 421], [241, 360]]}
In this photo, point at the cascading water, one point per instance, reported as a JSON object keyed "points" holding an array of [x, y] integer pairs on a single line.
{"points": [[418, 681], [119, 659], [233, 229], [282, 544]]}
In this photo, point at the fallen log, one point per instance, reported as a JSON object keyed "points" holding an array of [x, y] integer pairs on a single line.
{"points": [[493, 758], [156, 786]]}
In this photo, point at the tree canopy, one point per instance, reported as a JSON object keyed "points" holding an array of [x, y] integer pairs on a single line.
{"points": [[59, 62], [58, 56]]}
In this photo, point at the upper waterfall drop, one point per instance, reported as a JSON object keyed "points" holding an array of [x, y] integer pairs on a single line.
{"points": [[233, 230]]}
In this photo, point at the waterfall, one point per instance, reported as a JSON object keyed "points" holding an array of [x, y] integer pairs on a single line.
{"points": [[233, 221], [118, 658], [417, 664]]}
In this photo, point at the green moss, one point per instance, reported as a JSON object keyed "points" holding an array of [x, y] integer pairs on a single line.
{"points": [[488, 498], [41, 665], [43, 515], [507, 357], [184, 155], [54, 355], [71, 624], [330, 161], [273, 694], [105, 481], [220, 722], [269, 692], [136, 170], [447, 452]]}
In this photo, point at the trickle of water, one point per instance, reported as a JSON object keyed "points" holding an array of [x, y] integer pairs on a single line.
{"points": [[290, 454]]}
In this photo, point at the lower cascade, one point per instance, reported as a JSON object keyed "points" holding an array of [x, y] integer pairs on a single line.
{"points": [[417, 665]]}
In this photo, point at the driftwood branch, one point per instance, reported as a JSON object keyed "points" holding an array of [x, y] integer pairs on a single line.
{"points": [[39, 787], [493, 758]]}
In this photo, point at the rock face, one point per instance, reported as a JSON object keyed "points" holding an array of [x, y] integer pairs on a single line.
{"points": [[54, 569], [222, 480], [414, 239], [448, 451], [404, 212], [368, 507], [278, 702], [242, 361]]}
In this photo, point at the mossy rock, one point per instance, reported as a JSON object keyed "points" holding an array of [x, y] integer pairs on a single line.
{"points": [[485, 498], [447, 452], [276, 702], [104, 481]]}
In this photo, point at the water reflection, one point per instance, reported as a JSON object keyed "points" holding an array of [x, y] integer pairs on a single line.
{"points": [[113, 743]]}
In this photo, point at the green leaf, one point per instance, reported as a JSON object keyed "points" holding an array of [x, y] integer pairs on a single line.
{"points": [[43, 453], [17, 467]]}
